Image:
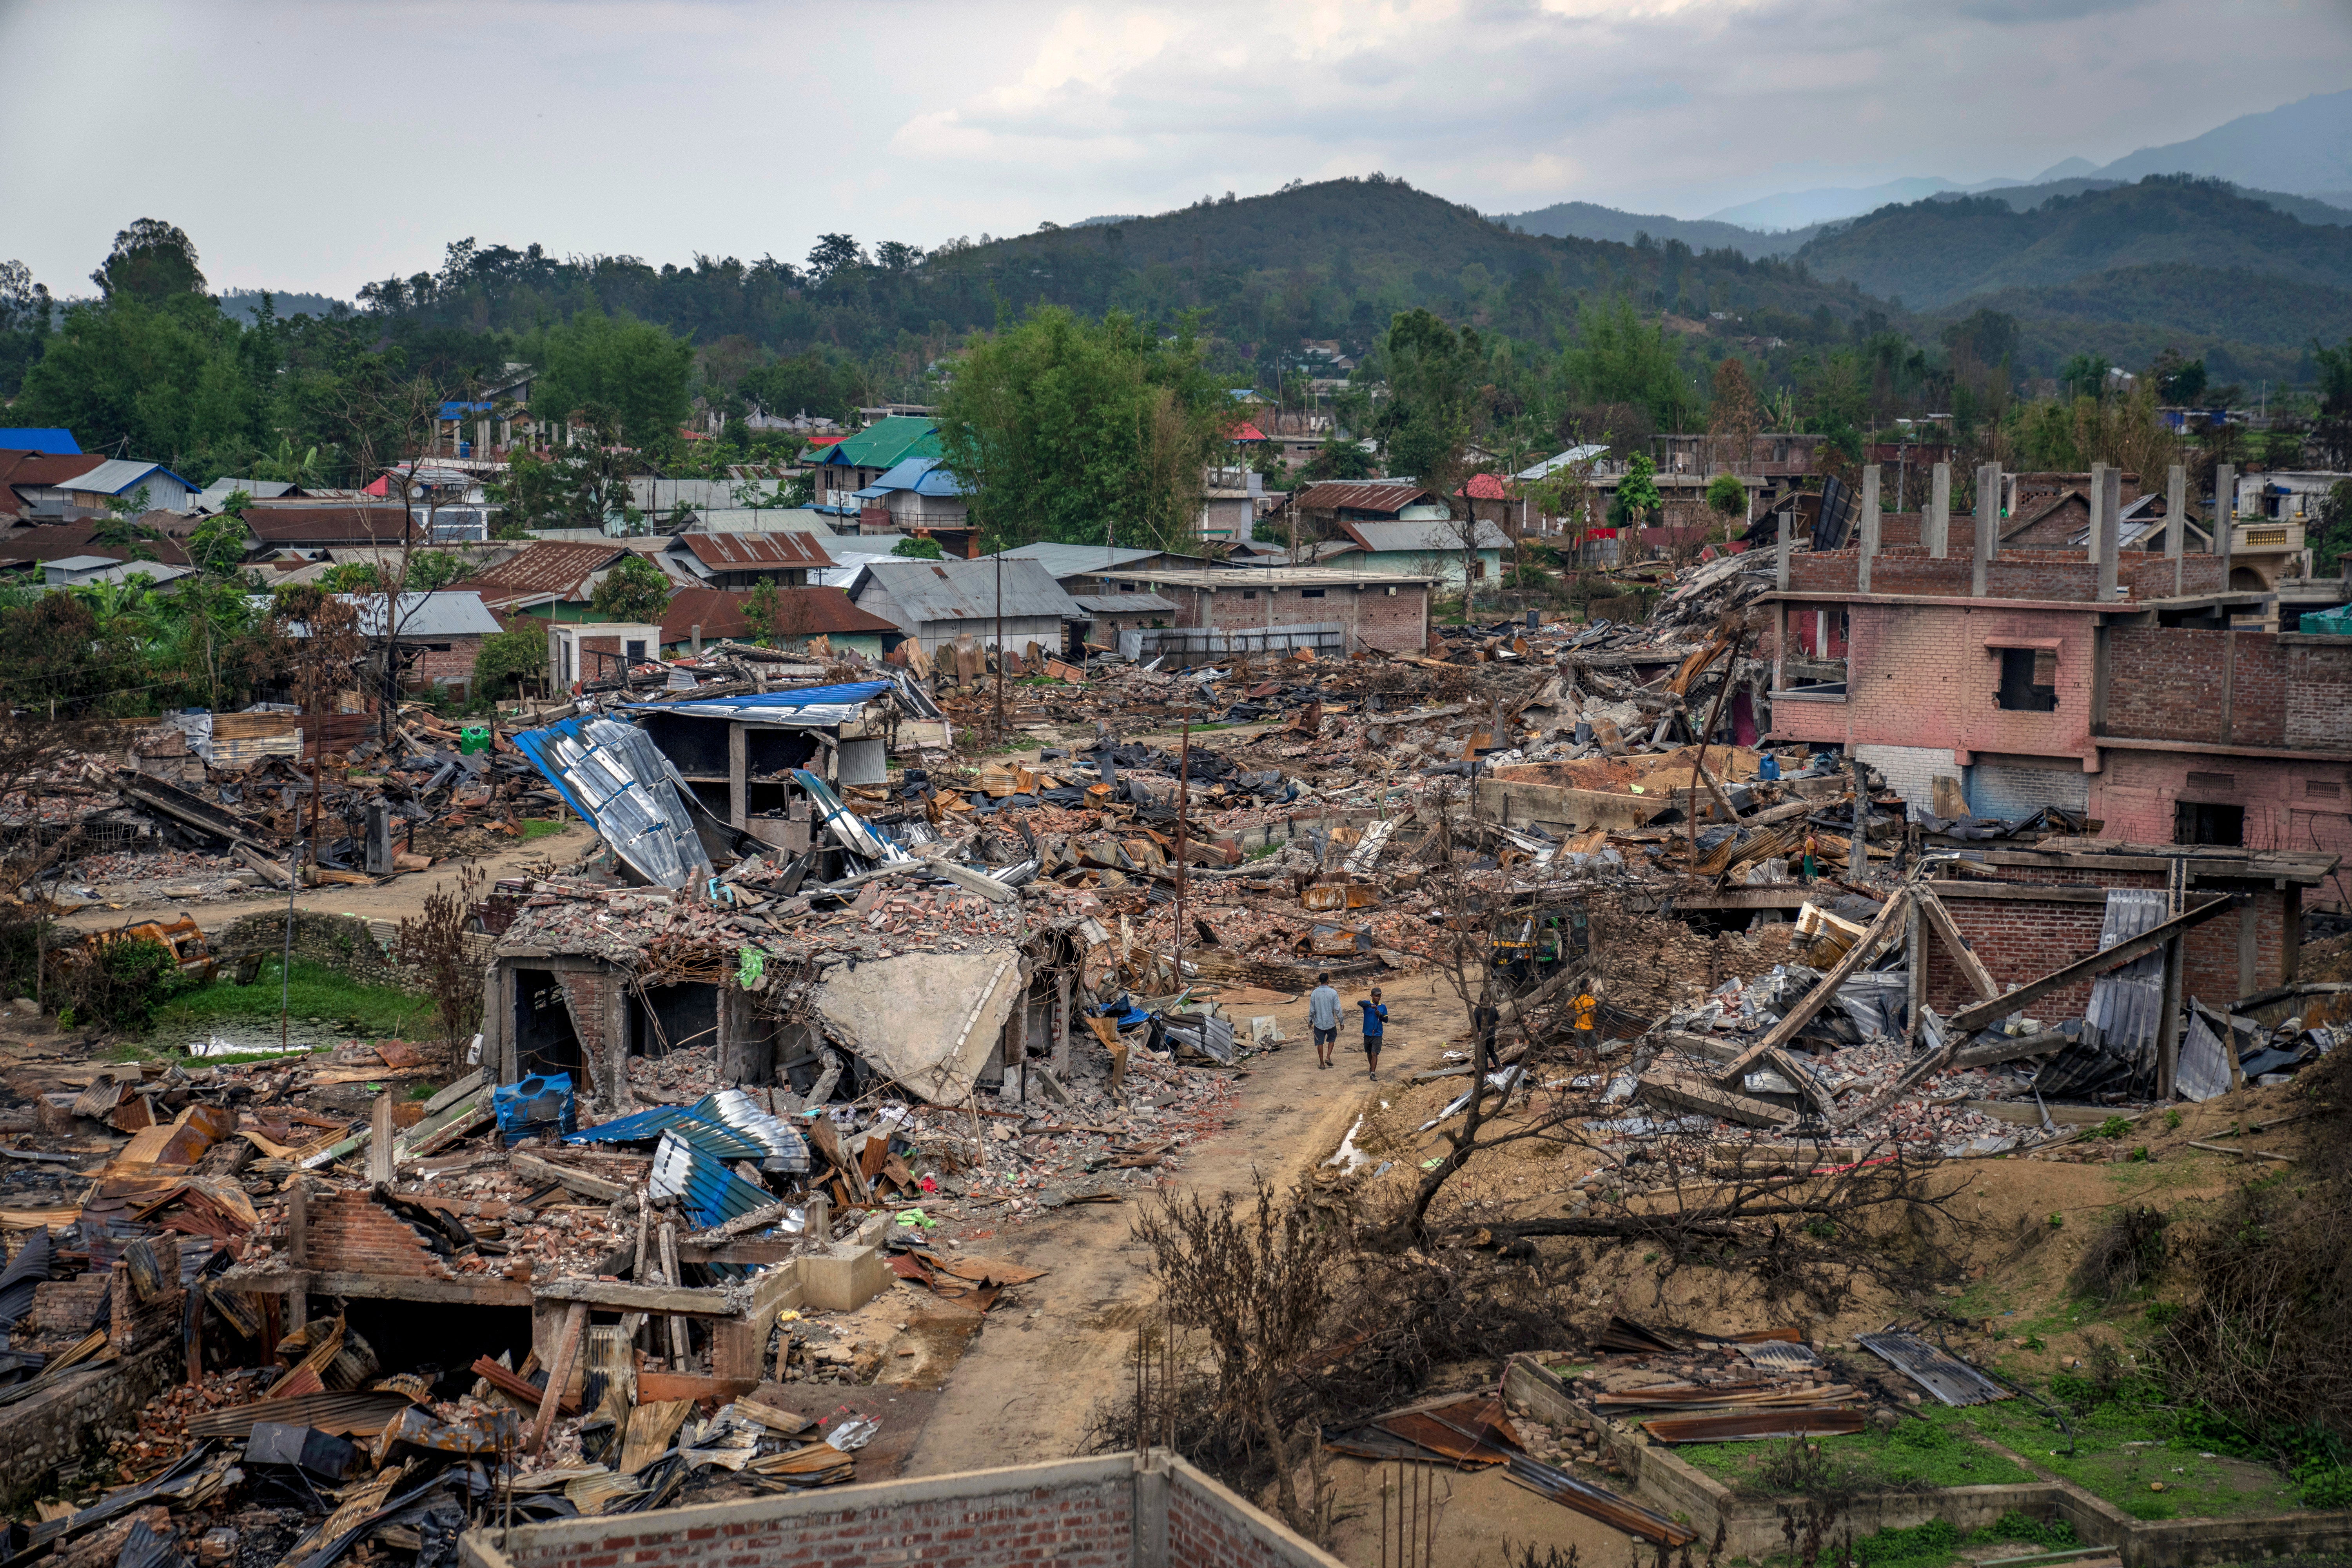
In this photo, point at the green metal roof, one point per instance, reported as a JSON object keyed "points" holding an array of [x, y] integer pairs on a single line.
{"points": [[886, 443]]}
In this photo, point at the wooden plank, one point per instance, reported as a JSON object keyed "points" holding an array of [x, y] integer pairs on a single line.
{"points": [[506, 1382], [1798, 1016], [661, 1387], [1976, 1016], [575, 1326], [1971, 966], [532, 1168], [622, 1296], [2007, 1049]]}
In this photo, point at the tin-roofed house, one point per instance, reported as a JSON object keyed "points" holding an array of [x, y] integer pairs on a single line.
{"points": [[845, 467], [1430, 548], [936, 602], [746, 560], [920, 499], [699, 616]]}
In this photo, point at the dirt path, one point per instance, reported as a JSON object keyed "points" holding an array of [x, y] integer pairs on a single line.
{"points": [[401, 897], [1027, 1388]]}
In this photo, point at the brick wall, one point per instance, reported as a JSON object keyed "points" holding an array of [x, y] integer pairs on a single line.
{"points": [[1078, 1526], [589, 995], [1074, 1513], [1392, 621], [350, 1233], [2319, 695], [2186, 683], [444, 665], [2053, 575]]}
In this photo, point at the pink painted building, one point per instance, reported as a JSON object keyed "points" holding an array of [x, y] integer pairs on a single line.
{"points": [[2150, 714]]}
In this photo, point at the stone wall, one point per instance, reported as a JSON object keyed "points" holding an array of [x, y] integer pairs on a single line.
{"points": [[339, 943], [71, 1426]]}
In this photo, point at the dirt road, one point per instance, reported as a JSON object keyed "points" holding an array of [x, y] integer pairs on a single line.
{"points": [[400, 898], [1027, 1388]]}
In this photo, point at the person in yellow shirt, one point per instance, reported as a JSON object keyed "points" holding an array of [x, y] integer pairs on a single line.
{"points": [[1584, 1013]]}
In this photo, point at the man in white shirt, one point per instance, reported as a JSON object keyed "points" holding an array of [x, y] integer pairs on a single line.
{"points": [[1323, 1018]]}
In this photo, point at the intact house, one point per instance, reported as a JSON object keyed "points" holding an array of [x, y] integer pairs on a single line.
{"points": [[436, 637], [1427, 549], [117, 480], [936, 603], [308, 528], [840, 470], [746, 560], [37, 544], [1317, 510], [920, 498], [1276, 607], [697, 615], [2124, 686], [554, 580]]}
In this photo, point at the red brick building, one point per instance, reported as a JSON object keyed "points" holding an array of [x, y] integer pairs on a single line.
{"points": [[1367, 610]]}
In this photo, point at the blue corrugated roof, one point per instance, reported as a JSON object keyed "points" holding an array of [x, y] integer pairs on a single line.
{"points": [[853, 692], [711, 1194], [640, 1127], [55, 442]]}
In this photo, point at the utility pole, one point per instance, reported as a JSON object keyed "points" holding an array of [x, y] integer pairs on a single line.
{"points": [[1183, 811], [1000, 647]]}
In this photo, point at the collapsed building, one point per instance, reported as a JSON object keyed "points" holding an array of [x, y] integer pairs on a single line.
{"points": [[825, 983]]}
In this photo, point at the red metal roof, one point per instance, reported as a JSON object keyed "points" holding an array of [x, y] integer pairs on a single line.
{"points": [[302, 525], [1245, 431], [1486, 487], [34, 469], [756, 551], [549, 566], [1361, 495], [799, 613], [58, 542]]}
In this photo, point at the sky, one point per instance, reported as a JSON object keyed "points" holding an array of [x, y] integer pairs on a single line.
{"points": [[318, 145]]}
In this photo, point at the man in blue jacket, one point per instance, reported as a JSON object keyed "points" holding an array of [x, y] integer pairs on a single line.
{"points": [[1376, 1023]]}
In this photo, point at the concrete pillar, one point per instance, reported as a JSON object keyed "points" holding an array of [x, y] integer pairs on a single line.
{"points": [[1869, 540], [2225, 512], [2175, 520], [1935, 529], [1786, 543], [1988, 525], [2098, 491], [2106, 528], [697, 640]]}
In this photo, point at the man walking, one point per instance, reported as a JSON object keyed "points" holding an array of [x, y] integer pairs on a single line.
{"points": [[1323, 1018], [1376, 1023], [1584, 1012]]}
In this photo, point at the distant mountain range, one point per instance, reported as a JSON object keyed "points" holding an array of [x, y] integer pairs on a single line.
{"points": [[2297, 158]]}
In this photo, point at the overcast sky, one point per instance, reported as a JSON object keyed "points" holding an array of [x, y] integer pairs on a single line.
{"points": [[320, 144]]}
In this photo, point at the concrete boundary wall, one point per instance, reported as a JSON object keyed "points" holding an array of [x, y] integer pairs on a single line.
{"points": [[1123, 1510]]}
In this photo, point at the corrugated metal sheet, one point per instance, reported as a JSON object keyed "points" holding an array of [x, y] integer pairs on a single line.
{"points": [[1780, 1355], [1370, 495], [1951, 1380], [2126, 1004], [966, 590], [740, 1110], [2204, 1069], [714, 1139], [1745, 1425], [1076, 560], [711, 1194], [612, 776], [811, 705], [639, 1127], [1429, 538], [755, 551]]}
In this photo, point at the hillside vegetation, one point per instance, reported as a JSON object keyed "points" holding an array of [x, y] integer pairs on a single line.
{"points": [[1934, 253], [2246, 327]]}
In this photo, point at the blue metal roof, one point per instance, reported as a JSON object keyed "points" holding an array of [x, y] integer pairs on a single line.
{"points": [[55, 442], [711, 1194], [641, 1127], [850, 693], [924, 475], [727, 1125]]}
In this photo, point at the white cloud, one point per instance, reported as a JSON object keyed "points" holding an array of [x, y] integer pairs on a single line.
{"points": [[311, 146]]}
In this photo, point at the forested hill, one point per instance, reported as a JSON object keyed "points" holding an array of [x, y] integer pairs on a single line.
{"points": [[1938, 252], [1328, 260]]}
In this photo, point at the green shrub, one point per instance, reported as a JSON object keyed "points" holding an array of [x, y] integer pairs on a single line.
{"points": [[2113, 1126], [122, 987], [2325, 1485]]}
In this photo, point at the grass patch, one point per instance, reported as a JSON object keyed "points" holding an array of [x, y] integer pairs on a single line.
{"points": [[315, 991], [1928, 1453], [2125, 1445], [541, 828]]}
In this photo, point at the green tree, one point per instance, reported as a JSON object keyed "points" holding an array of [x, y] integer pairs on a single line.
{"points": [[762, 612], [1067, 429], [24, 307], [633, 590], [176, 382], [218, 546], [634, 372], [514, 655], [2331, 531], [151, 261], [1637, 493], [1726, 495], [1338, 459], [1619, 359], [917, 548], [805, 383]]}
